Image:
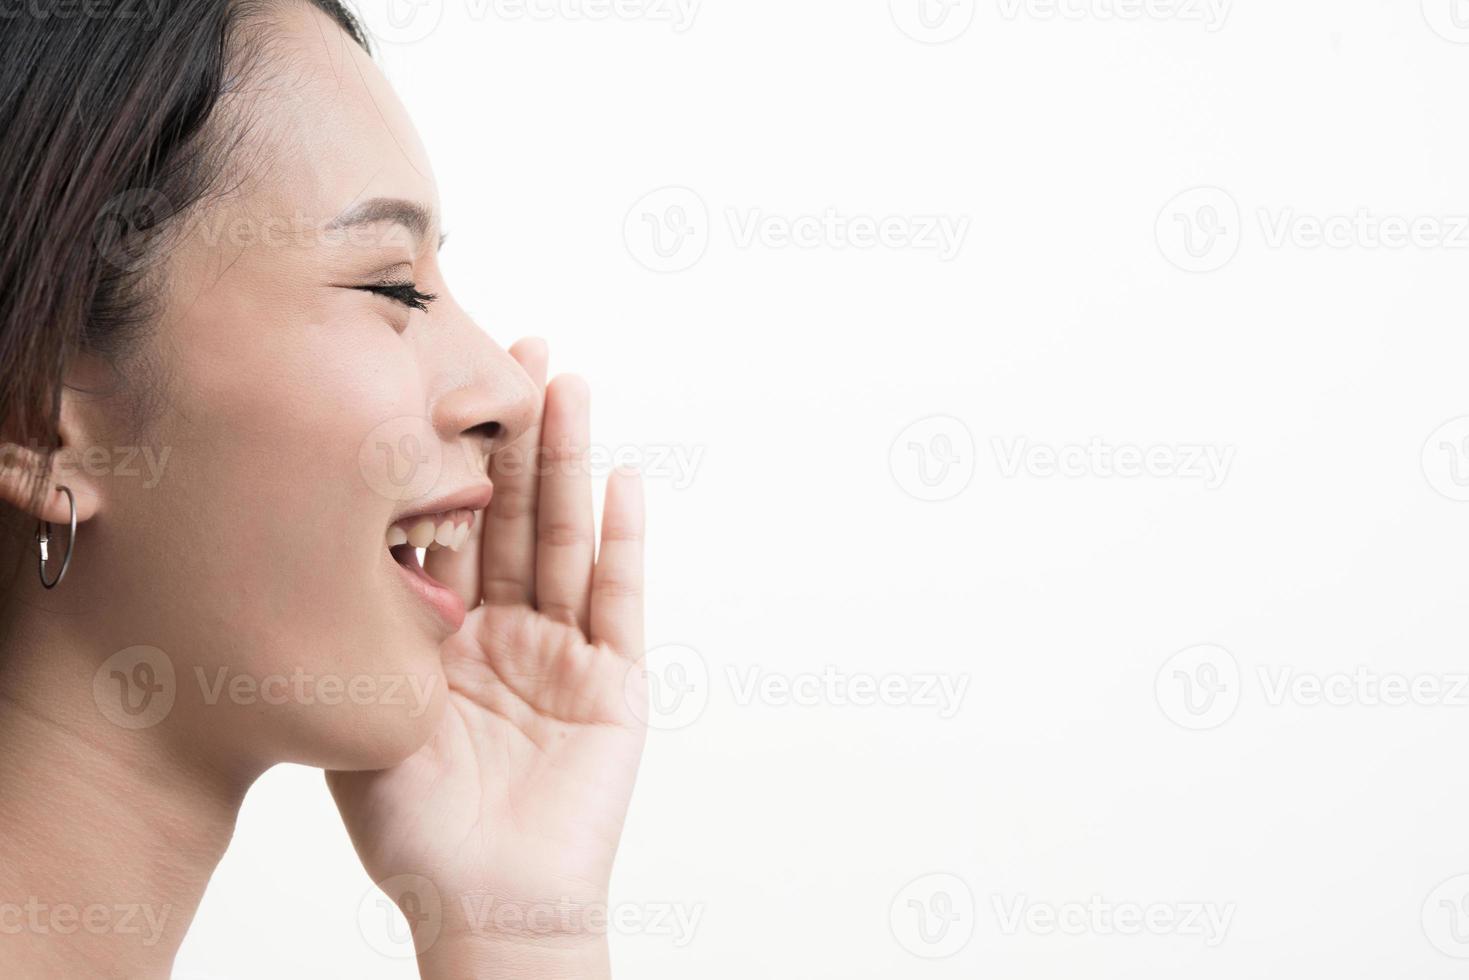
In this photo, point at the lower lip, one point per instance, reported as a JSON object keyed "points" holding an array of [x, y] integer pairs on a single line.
{"points": [[444, 601]]}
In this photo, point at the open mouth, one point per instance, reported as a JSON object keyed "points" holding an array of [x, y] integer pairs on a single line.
{"points": [[431, 532]]}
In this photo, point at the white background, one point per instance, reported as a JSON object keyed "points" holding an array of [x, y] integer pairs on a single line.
{"points": [[1078, 767]]}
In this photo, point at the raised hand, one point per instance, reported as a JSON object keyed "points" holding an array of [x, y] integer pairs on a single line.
{"points": [[514, 808]]}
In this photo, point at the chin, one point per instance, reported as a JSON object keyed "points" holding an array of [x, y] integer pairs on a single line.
{"points": [[392, 715]]}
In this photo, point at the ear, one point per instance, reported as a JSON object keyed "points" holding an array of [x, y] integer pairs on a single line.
{"points": [[69, 467]]}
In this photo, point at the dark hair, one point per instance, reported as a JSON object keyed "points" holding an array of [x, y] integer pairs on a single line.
{"points": [[108, 110]]}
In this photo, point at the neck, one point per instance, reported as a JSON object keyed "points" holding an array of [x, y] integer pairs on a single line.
{"points": [[108, 836]]}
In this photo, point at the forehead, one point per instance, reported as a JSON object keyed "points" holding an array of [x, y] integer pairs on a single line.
{"points": [[332, 129]]}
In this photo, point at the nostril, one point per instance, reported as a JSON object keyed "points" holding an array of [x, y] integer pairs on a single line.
{"points": [[485, 430]]}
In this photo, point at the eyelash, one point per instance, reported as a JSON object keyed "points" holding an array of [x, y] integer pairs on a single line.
{"points": [[403, 292]]}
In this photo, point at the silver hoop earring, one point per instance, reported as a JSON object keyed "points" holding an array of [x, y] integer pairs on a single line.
{"points": [[43, 537]]}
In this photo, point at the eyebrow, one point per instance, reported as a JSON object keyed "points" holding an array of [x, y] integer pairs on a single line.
{"points": [[412, 215]]}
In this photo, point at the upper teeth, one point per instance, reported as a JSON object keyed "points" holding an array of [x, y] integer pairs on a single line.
{"points": [[439, 531]]}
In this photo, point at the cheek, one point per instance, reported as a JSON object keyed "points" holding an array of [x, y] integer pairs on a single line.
{"points": [[295, 445], [277, 496]]}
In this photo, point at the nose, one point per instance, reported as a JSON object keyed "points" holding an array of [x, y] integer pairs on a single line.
{"points": [[488, 403]]}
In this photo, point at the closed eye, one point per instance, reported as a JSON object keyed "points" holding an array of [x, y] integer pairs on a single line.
{"points": [[402, 292]]}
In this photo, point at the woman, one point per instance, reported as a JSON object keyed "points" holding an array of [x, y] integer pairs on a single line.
{"points": [[230, 362]]}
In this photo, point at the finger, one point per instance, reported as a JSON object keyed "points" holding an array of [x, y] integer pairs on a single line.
{"points": [[565, 527], [617, 582], [508, 545]]}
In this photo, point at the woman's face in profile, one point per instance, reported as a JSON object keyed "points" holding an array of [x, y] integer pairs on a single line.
{"points": [[313, 403], [363, 539]]}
